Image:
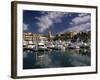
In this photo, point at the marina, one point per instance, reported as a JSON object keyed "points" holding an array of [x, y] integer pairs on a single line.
{"points": [[57, 44], [52, 52]]}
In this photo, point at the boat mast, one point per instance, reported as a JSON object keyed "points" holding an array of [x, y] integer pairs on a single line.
{"points": [[49, 34]]}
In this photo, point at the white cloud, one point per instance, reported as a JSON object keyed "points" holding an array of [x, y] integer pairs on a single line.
{"points": [[25, 27], [48, 19], [82, 14], [81, 19], [78, 28], [81, 27], [80, 23]]}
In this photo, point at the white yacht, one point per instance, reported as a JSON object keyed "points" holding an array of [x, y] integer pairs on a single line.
{"points": [[85, 45], [60, 45], [51, 45], [41, 46], [73, 46], [25, 43], [31, 45]]}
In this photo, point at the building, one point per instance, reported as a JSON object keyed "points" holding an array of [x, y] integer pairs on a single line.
{"points": [[28, 36], [73, 33]]}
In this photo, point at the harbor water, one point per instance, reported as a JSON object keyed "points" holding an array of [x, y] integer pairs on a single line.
{"points": [[56, 58]]}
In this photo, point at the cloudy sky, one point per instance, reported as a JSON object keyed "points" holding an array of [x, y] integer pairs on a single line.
{"points": [[58, 22]]}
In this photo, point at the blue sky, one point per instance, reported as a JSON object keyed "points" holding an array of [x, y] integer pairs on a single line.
{"points": [[59, 22]]}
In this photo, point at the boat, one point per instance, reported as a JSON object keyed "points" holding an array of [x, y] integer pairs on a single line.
{"points": [[60, 45], [50, 45], [31, 45], [74, 46], [41, 46], [25, 43], [85, 45]]}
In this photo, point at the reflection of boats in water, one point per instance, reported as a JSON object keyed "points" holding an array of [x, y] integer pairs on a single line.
{"points": [[85, 51], [70, 57]]}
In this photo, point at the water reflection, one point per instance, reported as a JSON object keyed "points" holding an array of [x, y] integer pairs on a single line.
{"points": [[56, 58]]}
